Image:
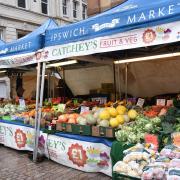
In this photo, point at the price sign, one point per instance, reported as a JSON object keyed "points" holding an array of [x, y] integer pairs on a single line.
{"points": [[176, 138], [169, 103], [140, 102], [22, 103], [77, 155], [84, 109], [152, 139], [161, 102]]}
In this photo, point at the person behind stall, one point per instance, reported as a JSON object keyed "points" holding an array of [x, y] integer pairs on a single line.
{"points": [[20, 92]]}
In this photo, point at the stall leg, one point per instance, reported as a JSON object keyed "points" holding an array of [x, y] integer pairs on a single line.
{"points": [[119, 82], [36, 114], [126, 81], [114, 70]]}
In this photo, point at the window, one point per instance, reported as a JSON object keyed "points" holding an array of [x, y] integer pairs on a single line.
{"points": [[1, 34], [44, 6], [22, 3], [64, 6], [21, 33], [84, 11], [75, 5]]}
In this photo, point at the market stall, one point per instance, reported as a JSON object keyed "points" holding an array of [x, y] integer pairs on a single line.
{"points": [[133, 24]]}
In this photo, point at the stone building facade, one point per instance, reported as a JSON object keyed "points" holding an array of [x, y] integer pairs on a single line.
{"points": [[19, 17], [98, 6]]}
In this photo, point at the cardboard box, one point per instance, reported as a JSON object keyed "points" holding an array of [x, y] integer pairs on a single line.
{"points": [[64, 127], [81, 129], [108, 86], [107, 132]]}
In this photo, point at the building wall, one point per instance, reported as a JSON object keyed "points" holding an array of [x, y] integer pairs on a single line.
{"points": [[28, 18], [98, 6], [14, 19]]}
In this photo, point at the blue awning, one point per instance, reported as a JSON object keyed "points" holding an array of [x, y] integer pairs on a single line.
{"points": [[29, 43], [132, 14], [2, 42]]}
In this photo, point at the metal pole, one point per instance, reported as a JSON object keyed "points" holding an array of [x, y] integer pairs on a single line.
{"points": [[126, 80], [120, 80], [114, 70], [48, 85], [119, 88], [63, 80], [36, 114]]}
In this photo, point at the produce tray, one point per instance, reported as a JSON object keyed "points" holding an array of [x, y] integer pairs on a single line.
{"points": [[117, 176], [74, 128], [107, 132], [64, 127], [81, 129]]}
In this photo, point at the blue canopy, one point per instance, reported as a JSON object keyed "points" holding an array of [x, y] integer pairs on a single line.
{"points": [[2, 42], [132, 14], [29, 43]]}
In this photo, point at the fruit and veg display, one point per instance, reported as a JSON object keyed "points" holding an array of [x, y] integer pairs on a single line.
{"points": [[134, 132], [142, 162], [166, 165], [135, 159]]}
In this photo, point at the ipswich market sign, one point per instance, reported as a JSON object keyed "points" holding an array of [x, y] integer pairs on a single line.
{"points": [[127, 17]]}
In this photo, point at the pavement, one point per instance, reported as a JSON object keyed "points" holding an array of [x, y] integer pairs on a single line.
{"points": [[15, 165]]}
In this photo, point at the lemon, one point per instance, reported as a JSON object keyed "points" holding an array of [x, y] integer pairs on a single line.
{"points": [[114, 122]]}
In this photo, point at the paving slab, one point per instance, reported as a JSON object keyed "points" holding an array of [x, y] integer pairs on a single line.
{"points": [[15, 165]]}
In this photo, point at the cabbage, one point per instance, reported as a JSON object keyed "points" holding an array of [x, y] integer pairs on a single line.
{"points": [[132, 138], [90, 119], [81, 120], [148, 127], [104, 123], [156, 120]]}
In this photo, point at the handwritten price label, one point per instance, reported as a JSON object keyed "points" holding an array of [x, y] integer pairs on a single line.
{"points": [[161, 102], [152, 139]]}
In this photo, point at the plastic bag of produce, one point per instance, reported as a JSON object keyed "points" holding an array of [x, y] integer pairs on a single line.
{"points": [[174, 163], [154, 172], [173, 174], [171, 152]]}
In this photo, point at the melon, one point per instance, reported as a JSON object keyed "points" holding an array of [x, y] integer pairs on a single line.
{"points": [[120, 119], [132, 114], [114, 122], [112, 111], [121, 110], [104, 115]]}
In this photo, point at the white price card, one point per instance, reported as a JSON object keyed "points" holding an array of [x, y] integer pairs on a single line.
{"points": [[84, 109], [22, 103], [161, 102], [140, 102], [169, 103]]}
